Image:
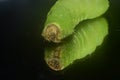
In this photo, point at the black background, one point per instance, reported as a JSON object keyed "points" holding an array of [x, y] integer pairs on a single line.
{"points": [[22, 47]]}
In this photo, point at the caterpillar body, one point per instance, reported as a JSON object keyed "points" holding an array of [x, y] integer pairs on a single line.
{"points": [[66, 14]]}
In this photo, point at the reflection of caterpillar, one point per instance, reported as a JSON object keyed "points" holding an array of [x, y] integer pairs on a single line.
{"points": [[54, 60], [87, 36], [66, 14]]}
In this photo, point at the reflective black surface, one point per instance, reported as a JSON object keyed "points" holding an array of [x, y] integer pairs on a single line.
{"points": [[22, 47]]}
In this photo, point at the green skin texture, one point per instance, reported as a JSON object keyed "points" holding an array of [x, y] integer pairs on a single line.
{"points": [[87, 36], [66, 14]]}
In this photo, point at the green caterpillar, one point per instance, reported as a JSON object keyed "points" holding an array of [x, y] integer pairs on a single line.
{"points": [[66, 14], [87, 36]]}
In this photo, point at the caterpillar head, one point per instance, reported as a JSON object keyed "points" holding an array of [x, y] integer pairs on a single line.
{"points": [[51, 33]]}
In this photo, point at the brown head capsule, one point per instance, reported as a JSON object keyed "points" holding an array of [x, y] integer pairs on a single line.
{"points": [[51, 33], [54, 62]]}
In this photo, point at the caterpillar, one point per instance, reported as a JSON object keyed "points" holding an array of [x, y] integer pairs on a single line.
{"points": [[87, 36], [66, 14]]}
